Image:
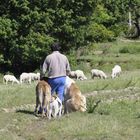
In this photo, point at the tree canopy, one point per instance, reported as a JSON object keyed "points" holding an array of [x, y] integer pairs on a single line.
{"points": [[29, 27]]}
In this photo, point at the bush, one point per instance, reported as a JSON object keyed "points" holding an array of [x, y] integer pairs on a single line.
{"points": [[72, 59], [124, 50], [99, 33], [91, 104]]}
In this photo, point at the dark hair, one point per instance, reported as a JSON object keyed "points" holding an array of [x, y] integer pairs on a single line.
{"points": [[55, 47]]}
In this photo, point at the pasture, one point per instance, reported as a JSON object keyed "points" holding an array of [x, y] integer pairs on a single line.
{"points": [[116, 117]]}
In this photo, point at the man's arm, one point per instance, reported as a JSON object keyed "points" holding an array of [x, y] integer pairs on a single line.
{"points": [[44, 68], [68, 69]]}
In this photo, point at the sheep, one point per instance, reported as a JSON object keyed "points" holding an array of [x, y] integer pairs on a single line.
{"points": [[98, 73], [72, 74], [34, 76], [116, 71], [78, 74], [38, 76], [25, 77], [10, 78]]}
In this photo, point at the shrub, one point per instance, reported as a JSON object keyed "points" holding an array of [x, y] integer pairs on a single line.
{"points": [[100, 33], [91, 104], [124, 50]]}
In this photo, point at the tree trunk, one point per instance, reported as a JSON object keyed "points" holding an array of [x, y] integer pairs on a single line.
{"points": [[137, 25], [130, 20]]}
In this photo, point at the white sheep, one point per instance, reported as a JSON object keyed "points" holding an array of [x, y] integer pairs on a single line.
{"points": [[116, 71], [10, 78], [98, 73], [72, 74], [34, 76], [25, 77], [78, 74], [38, 76]]}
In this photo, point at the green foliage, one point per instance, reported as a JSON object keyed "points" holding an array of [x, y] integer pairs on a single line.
{"points": [[119, 11], [124, 50], [72, 59], [99, 33], [92, 104], [129, 48], [28, 28]]}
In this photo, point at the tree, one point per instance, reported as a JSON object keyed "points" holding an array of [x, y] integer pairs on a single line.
{"points": [[134, 9], [29, 27], [120, 10]]}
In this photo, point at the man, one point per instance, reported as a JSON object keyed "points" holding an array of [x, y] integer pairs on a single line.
{"points": [[57, 66]]}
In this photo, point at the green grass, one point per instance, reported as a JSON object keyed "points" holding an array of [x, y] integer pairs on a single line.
{"points": [[114, 54], [116, 117], [127, 79], [10, 95], [118, 120]]}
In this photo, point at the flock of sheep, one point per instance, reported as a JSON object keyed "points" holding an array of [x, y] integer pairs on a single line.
{"points": [[74, 100], [78, 74], [24, 77]]}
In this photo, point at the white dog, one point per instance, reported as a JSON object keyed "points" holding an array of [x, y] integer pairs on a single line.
{"points": [[55, 107]]}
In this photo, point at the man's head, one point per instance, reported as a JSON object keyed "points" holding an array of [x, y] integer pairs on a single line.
{"points": [[55, 47]]}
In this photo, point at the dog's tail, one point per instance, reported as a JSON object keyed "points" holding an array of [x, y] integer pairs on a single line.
{"points": [[39, 95]]}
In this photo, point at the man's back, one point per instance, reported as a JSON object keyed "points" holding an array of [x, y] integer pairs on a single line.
{"points": [[56, 64]]}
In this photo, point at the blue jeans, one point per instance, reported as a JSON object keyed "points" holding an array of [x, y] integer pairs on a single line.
{"points": [[57, 86]]}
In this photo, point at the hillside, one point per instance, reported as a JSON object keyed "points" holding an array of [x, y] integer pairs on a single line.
{"points": [[113, 105], [105, 55]]}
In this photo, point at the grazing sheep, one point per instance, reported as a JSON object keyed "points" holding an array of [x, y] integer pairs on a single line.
{"points": [[10, 78], [38, 76], [116, 71], [34, 76], [72, 74], [98, 73], [25, 77], [78, 74]]}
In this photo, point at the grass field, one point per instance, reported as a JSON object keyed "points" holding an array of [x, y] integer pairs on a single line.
{"points": [[117, 116]]}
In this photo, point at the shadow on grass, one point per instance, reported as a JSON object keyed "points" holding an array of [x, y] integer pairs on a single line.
{"points": [[25, 112]]}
